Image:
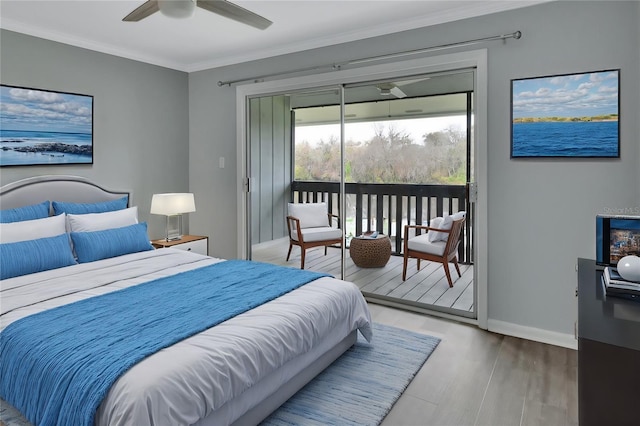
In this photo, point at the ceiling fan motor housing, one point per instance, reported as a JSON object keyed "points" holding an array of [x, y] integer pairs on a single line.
{"points": [[177, 8]]}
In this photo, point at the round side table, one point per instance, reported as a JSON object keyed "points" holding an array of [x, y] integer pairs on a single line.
{"points": [[370, 252]]}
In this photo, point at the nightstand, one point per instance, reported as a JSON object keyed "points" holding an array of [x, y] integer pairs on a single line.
{"points": [[194, 243]]}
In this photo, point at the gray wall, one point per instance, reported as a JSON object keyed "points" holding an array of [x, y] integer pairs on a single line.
{"points": [[141, 123], [541, 213]]}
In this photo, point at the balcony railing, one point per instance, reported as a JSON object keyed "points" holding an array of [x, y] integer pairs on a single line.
{"points": [[386, 207]]}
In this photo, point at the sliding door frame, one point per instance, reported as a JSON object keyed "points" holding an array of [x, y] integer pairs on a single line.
{"points": [[472, 59]]}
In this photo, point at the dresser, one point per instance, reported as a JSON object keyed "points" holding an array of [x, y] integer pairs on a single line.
{"points": [[608, 353]]}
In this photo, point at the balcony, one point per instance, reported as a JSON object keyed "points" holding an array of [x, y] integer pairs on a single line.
{"points": [[386, 208]]}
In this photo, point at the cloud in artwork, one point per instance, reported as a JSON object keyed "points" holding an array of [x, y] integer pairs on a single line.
{"points": [[577, 95], [29, 109]]}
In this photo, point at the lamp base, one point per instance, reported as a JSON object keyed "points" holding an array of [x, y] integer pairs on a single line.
{"points": [[174, 228]]}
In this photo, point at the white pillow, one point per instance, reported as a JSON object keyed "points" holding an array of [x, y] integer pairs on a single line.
{"points": [[91, 222], [434, 236], [311, 215], [25, 230], [447, 223], [459, 215]]}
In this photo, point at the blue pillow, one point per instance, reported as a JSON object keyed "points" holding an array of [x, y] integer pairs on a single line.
{"points": [[84, 208], [35, 211], [27, 257], [91, 246]]}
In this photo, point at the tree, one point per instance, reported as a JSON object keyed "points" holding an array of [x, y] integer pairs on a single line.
{"points": [[390, 156]]}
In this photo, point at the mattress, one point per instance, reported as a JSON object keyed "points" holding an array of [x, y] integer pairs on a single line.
{"points": [[208, 373]]}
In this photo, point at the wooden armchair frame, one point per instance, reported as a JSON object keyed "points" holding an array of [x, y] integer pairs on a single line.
{"points": [[293, 223], [450, 253]]}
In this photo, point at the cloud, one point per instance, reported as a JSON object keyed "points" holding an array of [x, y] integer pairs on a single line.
{"points": [[574, 95], [34, 95], [608, 89]]}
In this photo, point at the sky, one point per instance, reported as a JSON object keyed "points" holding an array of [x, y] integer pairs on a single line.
{"points": [[576, 95], [31, 109], [360, 132]]}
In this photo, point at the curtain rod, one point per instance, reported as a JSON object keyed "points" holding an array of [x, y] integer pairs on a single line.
{"points": [[337, 66]]}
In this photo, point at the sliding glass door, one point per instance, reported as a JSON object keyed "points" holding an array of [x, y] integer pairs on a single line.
{"points": [[381, 155], [408, 160], [293, 160]]}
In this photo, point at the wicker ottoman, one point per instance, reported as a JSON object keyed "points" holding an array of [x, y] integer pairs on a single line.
{"points": [[369, 252]]}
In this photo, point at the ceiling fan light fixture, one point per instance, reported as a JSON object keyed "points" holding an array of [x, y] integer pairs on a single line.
{"points": [[177, 8]]}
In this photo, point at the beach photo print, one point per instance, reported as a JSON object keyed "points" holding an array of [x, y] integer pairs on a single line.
{"points": [[43, 127], [572, 115]]}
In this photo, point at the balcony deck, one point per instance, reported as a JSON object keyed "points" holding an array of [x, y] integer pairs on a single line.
{"points": [[425, 287]]}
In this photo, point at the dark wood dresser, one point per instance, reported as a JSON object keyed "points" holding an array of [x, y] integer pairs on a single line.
{"points": [[608, 353]]}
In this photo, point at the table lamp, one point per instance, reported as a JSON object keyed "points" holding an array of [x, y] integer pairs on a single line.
{"points": [[173, 206]]}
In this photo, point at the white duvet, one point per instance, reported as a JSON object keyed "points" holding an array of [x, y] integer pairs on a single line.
{"points": [[188, 381]]}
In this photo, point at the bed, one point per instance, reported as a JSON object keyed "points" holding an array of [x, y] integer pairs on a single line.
{"points": [[235, 372]]}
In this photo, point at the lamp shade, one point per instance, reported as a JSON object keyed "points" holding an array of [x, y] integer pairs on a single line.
{"points": [[172, 204]]}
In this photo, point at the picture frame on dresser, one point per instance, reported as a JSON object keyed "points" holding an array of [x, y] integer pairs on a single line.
{"points": [[45, 127], [566, 116]]}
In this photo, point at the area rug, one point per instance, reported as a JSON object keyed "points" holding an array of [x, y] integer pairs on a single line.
{"points": [[361, 386]]}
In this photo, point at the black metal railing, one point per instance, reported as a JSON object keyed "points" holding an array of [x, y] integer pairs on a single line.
{"points": [[386, 207]]}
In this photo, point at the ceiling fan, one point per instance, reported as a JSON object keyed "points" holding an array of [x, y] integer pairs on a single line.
{"points": [[394, 88], [185, 8], [387, 89]]}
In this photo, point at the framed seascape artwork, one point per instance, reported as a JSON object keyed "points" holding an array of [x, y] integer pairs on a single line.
{"points": [[571, 115], [42, 127]]}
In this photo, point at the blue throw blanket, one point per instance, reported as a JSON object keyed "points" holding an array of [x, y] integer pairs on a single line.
{"points": [[74, 353]]}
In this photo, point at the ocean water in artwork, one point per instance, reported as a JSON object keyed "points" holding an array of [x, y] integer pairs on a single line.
{"points": [[19, 147], [565, 139]]}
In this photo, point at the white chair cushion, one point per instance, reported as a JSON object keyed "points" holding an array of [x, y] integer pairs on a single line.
{"points": [[422, 244], [318, 234], [459, 215], [447, 223], [434, 236], [311, 215]]}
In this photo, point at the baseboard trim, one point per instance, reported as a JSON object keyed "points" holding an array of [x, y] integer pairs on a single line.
{"points": [[531, 333]]}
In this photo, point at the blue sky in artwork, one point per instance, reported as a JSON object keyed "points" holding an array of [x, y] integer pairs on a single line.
{"points": [[38, 110], [576, 95]]}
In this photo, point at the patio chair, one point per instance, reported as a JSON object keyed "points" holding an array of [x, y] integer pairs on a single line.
{"points": [[439, 244], [310, 226]]}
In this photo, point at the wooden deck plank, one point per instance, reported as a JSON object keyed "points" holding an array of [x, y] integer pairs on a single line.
{"points": [[427, 286]]}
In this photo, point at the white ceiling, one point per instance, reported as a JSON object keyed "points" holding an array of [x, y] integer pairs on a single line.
{"points": [[207, 40]]}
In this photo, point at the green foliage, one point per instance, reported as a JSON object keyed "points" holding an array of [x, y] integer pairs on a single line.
{"points": [[391, 156]]}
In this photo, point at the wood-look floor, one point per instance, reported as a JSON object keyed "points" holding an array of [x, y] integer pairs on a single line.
{"points": [[427, 287], [475, 377]]}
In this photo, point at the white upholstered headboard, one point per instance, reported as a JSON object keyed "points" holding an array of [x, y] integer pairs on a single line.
{"points": [[74, 189]]}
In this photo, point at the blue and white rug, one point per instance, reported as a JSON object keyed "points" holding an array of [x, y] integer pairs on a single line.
{"points": [[361, 386]]}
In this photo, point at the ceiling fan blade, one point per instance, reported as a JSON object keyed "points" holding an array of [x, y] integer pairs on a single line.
{"points": [[395, 91], [408, 82], [235, 12], [147, 8]]}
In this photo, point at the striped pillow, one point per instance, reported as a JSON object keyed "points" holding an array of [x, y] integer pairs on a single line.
{"points": [[35, 211], [28, 257], [96, 245], [84, 208]]}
